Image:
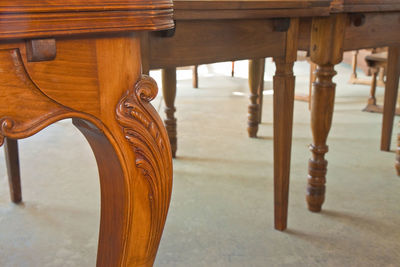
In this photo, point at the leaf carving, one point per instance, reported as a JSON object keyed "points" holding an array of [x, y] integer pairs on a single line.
{"points": [[144, 131]]}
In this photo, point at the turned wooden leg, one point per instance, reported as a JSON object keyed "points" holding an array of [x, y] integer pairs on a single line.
{"points": [[255, 68], [13, 170], [195, 76], [390, 98], [326, 50], [321, 119], [353, 76], [261, 92], [284, 82], [371, 104], [233, 69], [313, 68], [169, 93]]}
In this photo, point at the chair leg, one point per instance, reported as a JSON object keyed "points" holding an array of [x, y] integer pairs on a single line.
{"points": [[195, 76], [391, 88], [12, 161], [371, 104], [169, 93], [255, 67], [261, 91]]}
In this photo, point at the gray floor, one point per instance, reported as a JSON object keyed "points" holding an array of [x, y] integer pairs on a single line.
{"points": [[221, 212]]}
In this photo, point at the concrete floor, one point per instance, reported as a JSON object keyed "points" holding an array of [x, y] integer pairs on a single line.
{"points": [[221, 212]]}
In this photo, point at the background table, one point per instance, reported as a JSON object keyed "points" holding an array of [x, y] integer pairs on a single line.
{"points": [[213, 31]]}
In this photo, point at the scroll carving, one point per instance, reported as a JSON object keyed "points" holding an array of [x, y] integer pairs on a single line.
{"points": [[24, 108], [144, 131]]}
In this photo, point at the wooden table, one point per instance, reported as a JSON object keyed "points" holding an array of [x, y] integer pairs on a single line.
{"points": [[81, 60], [352, 25], [208, 31]]}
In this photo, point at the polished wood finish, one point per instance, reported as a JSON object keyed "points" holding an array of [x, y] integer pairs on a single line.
{"points": [[169, 93], [284, 82], [390, 99], [97, 81], [352, 25], [13, 170], [255, 79], [326, 46], [33, 19]]}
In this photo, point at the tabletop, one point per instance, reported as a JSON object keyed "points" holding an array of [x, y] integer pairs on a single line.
{"points": [[240, 9], [364, 5], [49, 18]]}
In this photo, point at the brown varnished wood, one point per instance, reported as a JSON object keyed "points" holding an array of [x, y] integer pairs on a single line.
{"points": [[326, 50], [34, 19], [41, 50], [374, 32], [134, 197], [240, 9], [260, 90], [195, 76], [77, 62], [284, 82], [255, 79], [390, 98], [364, 5], [198, 42], [13, 170], [97, 81], [169, 94]]}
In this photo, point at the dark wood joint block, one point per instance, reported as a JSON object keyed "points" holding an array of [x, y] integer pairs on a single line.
{"points": [[167, 33], [41, 50], [357, 19], [281, 24]]}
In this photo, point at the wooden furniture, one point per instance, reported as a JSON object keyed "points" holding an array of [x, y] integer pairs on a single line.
{"points": [[215, 30], [352, 25], [376, 63], [81, 60]]}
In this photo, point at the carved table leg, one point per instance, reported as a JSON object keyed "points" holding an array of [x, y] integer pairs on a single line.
{"points": [[255, 68], [169, 93], [134, 197], [12, 161], [125, 132], [284, 84], [390, 99], [326, 50]]}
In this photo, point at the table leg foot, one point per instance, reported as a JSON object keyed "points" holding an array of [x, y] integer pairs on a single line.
{"points": [[169, 93]]}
